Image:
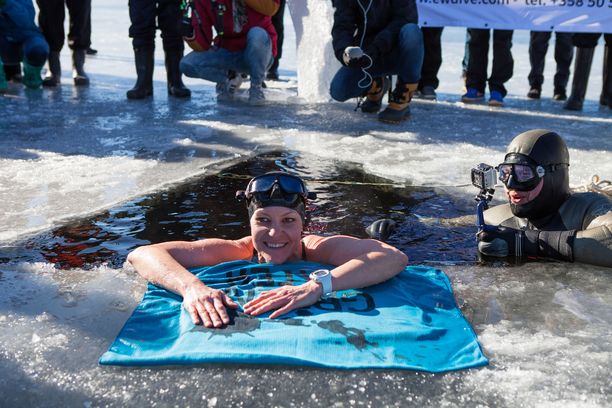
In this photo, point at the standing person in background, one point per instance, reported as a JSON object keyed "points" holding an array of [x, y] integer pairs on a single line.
{"points": [[245, 44], [19, 36], [585, 48], [501, 72], [564, 52], [432, 60], [51, 21], [374, 39], [279, 26], [143, 16]]}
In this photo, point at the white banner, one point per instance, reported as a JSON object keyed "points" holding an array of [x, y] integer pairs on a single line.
{"points": [[593, 16]]}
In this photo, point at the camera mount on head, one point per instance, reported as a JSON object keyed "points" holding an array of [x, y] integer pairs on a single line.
{"points": [[484, 177]]}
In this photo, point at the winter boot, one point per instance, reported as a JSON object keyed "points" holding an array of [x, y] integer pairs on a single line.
{"points": [[3, 83], [582, 70], [399, 103], [31, 76], [54, 75], [380, 86], [256, 95], [176, 87], [78, 72], [606, 89], [144, 59]]}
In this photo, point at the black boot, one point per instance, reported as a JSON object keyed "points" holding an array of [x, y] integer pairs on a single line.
{"points": [[78, 72], [54, 75], [144, 70], [176, 87], [582, 70], [13, 72], [606, 89]]}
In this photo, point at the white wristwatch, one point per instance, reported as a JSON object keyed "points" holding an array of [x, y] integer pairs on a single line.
{"points": [[324, 278]]}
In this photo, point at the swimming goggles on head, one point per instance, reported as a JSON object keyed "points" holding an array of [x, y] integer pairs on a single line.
{"points": [[286, 183]]}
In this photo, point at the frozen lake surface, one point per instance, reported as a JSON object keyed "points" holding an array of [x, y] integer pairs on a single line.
{"points": [[71, 159]]}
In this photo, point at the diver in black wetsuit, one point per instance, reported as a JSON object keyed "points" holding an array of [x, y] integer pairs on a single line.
{"points": [[543, 219]]}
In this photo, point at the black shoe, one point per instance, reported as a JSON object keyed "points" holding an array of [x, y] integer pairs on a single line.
{"points": [[428, 92], [272, 76], [91, 51], [534, 93], [559, 95], [176, 87], [12, 72], [144, 60]]}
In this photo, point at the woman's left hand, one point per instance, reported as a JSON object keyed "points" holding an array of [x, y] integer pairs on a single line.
{"points": [[284, 299]]}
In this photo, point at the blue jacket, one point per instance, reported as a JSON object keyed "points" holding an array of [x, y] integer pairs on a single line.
{"points": [[17, 20]]}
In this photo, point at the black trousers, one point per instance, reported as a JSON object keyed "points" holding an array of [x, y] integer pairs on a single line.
{"points": [[564, 52], [277, 22], [51, 21], [503, 63], [143, 16], [432, 59], [589, 40]]}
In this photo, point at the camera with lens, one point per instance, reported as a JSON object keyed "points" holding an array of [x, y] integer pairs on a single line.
{"points": [[484, 177]]}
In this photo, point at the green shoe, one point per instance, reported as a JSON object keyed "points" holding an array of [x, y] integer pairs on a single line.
{"points": [[3, 83], [31, 76]]}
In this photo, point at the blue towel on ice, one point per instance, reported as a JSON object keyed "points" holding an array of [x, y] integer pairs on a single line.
{"points": [[409, 322]]}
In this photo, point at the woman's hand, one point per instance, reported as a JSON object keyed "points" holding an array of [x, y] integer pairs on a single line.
{"points": [[206, 305], [284, 299]]}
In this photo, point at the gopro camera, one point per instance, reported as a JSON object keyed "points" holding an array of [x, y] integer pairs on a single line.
{"points": [[484, 177]]}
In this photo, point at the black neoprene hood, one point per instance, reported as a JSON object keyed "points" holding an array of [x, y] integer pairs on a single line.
{"points": [[545, 148]]}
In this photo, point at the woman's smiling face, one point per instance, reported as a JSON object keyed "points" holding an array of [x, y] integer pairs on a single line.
{"points": [[277, 234]]}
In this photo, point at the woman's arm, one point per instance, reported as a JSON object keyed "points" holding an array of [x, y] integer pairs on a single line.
{"points": [[166, 265], [360, 263]]}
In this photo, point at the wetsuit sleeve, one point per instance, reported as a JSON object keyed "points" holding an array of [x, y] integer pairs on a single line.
{"points": [[345, 24], [594, 244], [404, 12], [265, 7]]}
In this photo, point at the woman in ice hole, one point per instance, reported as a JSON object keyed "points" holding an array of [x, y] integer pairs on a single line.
{"points": [[276, 204]]}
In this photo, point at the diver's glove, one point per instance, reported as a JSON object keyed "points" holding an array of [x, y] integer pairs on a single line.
{"points": [[354, 57], [503, 242], [507, 242], [381, 229]]}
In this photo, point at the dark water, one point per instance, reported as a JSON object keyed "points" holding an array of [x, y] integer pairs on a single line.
{"points": [[348, 201]]}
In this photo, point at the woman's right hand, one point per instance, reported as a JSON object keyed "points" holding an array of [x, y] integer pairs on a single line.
{"points": [[207, 306]]}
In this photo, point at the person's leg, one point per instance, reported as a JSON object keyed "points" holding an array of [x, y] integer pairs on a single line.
{"points": [[79, 37], [503, 64], [564, 52], [585, 44], [538, 46], [168, 16], [51, 22], [606, 90], [277, 21], [478, 58], [51, 16], [409, 65], [10, 52], [345, 84], [432, 58], [142, 32], [212, 65], [257, 57]]}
